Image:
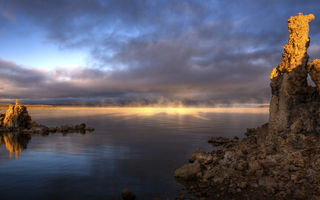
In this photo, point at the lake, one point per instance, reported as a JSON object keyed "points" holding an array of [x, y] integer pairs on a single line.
{"points": [[135, 148]]}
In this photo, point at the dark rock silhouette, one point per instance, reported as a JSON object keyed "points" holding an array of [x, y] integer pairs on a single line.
{"points": [[280, 159]]}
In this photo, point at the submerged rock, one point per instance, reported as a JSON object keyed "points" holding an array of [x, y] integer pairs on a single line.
{"points": [[128, 195], [280, 159]]}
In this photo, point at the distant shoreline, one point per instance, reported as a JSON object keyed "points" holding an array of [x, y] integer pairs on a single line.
{"points": [[53, 106]]}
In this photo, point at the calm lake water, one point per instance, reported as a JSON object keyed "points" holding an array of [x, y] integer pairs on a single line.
{"points": [[135, 148]]}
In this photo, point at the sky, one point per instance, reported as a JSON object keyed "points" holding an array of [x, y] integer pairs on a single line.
{"points": [[143, 51]]}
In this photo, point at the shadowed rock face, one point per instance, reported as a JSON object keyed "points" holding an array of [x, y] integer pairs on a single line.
{"points": [[314, 71], [17, 116]]}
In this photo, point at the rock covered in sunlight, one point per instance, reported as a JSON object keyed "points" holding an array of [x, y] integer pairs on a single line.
{"points": [[295, 52], [280, 159], [17, 116], [289, 83]]}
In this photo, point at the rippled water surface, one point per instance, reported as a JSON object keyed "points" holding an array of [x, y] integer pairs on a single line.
{"points": [[135, 148]]}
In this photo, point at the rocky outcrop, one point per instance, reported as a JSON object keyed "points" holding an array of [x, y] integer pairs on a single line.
{"points": [[17, 116], [17, 120], [248, 170], [280, 159], [289, 84]]}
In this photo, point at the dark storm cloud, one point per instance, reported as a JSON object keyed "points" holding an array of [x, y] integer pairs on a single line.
{"points": [[208, 50]]}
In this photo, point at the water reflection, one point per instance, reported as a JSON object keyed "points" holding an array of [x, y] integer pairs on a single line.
{"points": [[15, 143], [135, 148]]}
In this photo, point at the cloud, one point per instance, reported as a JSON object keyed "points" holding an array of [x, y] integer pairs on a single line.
{"points": [[214, 51]]}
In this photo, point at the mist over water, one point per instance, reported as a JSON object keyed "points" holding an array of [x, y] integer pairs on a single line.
{"points": [[135, 148]]}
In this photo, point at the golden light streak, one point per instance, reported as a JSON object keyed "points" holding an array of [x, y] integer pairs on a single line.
{"points": [[198, 112]]}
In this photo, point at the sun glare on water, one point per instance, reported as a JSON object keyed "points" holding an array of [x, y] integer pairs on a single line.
{"points": [[198, 112]]}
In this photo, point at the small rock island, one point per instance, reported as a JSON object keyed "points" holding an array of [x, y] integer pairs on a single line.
{"points": [[280, 159], [17, 127], [17, 120]]}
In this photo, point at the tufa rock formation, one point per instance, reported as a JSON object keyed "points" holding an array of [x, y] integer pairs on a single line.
{"points": [[290, 90], [17, 117], [280, 159]]}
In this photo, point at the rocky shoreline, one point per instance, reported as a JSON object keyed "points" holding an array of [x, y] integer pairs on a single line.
{"points": [[280, 159]]}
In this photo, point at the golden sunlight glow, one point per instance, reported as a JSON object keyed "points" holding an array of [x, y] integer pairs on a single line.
{"points": [[198, 112], [151, 111], [274, 73]]}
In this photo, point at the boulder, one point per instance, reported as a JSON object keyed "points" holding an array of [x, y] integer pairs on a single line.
{"points": [[128, 195], [188, 172], [90, 129], [219, 141], [67, 128], [201, 157]]}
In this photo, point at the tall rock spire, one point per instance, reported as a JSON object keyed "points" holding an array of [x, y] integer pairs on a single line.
{"points": [[295, 52], [289, 80]]}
